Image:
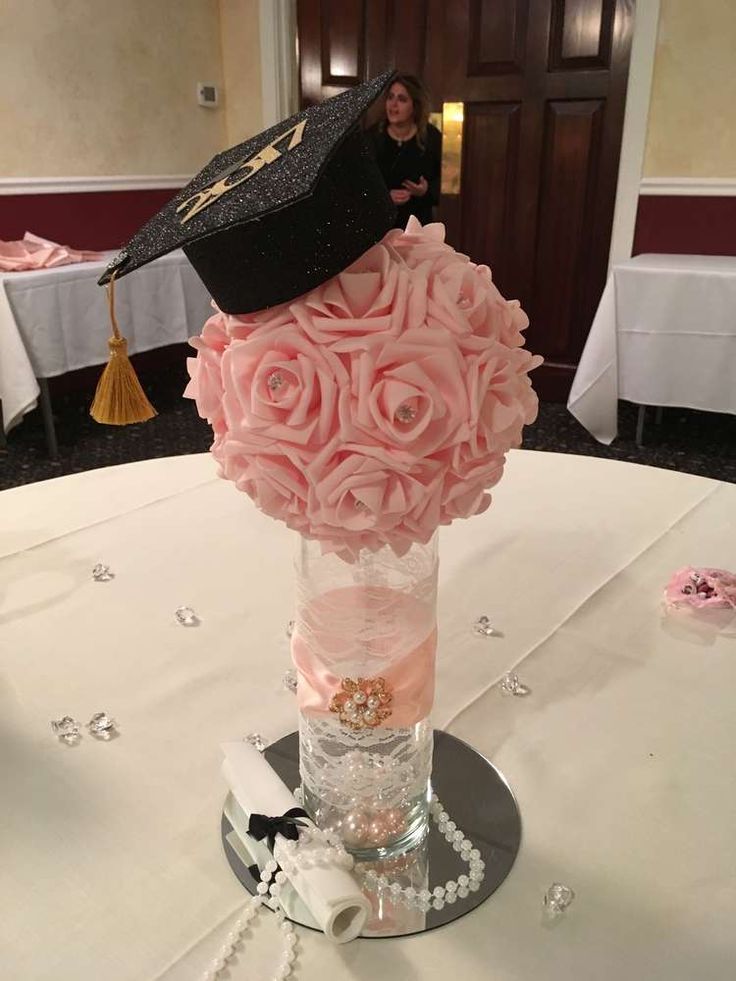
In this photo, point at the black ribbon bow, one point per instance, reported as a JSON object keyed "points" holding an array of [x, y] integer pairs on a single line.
{"points": [[260, 826]]}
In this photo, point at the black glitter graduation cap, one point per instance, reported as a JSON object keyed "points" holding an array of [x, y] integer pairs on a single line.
{"points": [[279, 214]]}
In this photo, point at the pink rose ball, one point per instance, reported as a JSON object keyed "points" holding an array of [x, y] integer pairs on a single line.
{"points": [[376, 407]]}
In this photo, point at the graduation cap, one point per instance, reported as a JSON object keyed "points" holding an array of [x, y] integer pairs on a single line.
{"points": [[271, 218], [262, 223]]}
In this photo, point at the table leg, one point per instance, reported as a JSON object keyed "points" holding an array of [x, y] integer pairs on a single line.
{"points": [[48, 418], [640, 425]]}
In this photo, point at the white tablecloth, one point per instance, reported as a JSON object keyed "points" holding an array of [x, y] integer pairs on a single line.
{"points": [[56, 320], [664, 334], [621, 757]]}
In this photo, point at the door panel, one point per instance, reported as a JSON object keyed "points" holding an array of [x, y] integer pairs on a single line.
{"points": [[564, 233], [491, 148], [580, 34], [343, 35], [496, 36]]}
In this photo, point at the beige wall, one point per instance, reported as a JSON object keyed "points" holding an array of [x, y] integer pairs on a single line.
{"points": [[241, 63], [108, 87], [692, 114]]}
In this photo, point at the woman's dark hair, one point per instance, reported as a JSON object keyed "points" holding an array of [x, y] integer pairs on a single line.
{"points": [[420, 101]]}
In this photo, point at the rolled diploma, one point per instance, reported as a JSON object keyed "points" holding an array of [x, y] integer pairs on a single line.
{"points": [[331, 894]]}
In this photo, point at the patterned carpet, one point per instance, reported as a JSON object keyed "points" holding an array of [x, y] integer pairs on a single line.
{"points": [[694, 442]]}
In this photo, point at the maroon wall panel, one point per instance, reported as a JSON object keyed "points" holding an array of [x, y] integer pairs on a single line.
{"points": [[686, 225], [93, 220]]}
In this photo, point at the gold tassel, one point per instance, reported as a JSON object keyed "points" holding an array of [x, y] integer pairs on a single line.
{"points": [[119, 399]]}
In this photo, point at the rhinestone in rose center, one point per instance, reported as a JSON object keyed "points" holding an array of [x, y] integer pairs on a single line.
{"points": [[406, 413]]}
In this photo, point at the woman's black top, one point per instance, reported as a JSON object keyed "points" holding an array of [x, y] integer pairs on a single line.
{"points": [[406, 160]]}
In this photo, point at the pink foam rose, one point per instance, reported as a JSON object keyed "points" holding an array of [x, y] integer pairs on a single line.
{"points": [[407, 391], [280, 384], [205, 385], [369, 297], [701, 589], [377, 406]]}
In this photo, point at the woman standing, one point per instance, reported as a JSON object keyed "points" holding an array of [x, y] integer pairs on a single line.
{"points": [[409, 150]]}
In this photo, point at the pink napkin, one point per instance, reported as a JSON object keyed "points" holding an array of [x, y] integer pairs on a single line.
{"points": [[33, 252]]}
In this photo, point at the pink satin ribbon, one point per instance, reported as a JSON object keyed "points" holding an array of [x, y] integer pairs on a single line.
{"points": [[410, 679]]}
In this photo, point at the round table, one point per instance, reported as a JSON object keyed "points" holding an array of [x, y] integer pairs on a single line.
{"points": [[620, 755]]}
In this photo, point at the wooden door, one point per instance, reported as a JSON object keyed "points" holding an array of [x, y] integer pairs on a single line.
{"points": [[543, 84]]}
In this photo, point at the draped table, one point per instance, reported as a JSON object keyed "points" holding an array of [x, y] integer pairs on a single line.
{"points": [[55, 320], [664, 335], [621, 755]]}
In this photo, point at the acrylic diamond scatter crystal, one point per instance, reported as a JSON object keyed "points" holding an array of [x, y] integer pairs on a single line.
{"points": [[67, 729], [289, 628], [101, 725], [290, 681], [101, 573], [510, 685], [557, 898], [257, 741], [484, 627], [186, 616]]}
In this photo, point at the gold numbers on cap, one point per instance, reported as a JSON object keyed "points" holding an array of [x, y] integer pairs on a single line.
{"points": [[240, 172]]}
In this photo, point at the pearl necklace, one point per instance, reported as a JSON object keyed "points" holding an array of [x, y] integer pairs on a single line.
{"points": [[316, 847], [453, 889]]}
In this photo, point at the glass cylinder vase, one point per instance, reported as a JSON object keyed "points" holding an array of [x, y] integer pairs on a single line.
{"points": [[364, 646]]}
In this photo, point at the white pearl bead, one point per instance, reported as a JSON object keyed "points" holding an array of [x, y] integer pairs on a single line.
{"points": [[271, 866], [261, 888], [233, 937], [475, 853], [438, 903], [451, 886], [456, 846], [439, 892], [458, 836], [217, 964], [462, 892], [291, 938], [451, 897], [462, 880], [474, 886], [451, 826], [280, 877]]}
